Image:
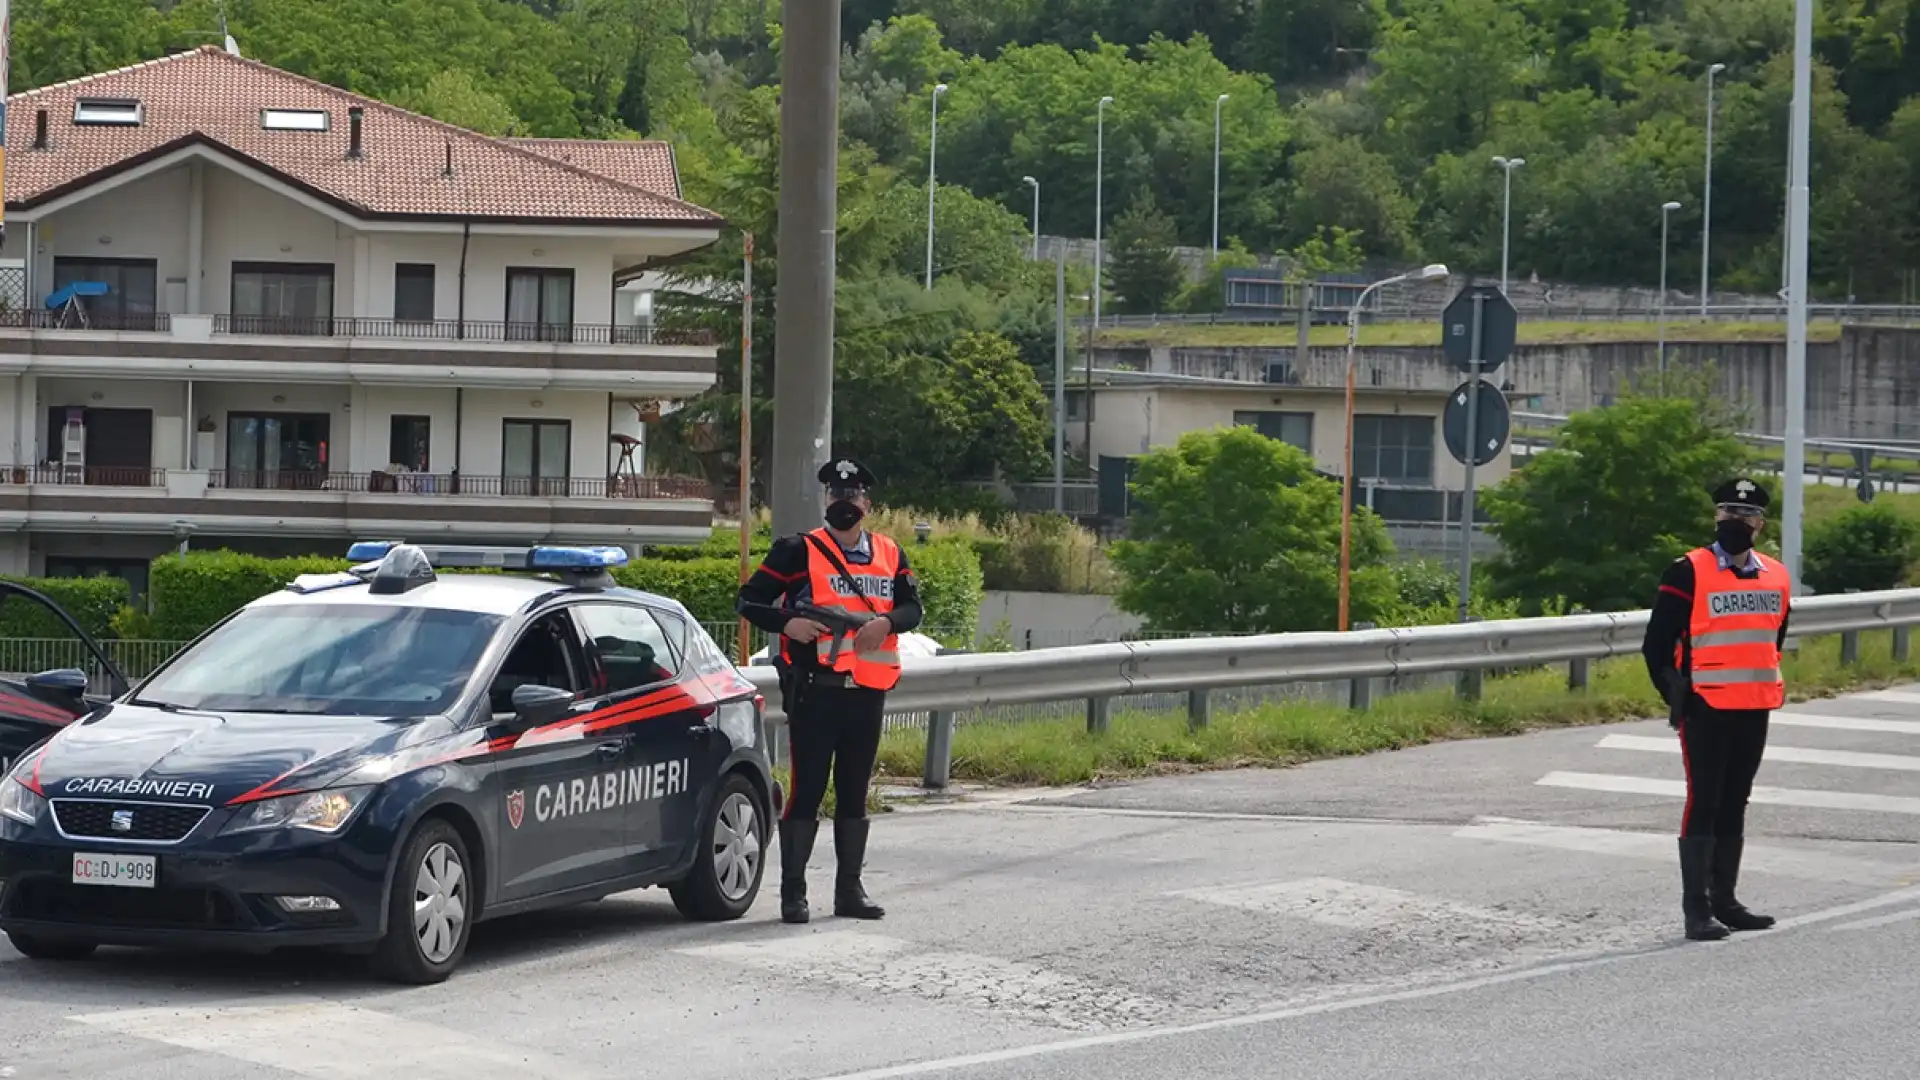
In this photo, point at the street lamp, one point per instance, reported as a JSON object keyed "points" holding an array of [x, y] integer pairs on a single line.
{"points": [[1036, 213], [1099, 174], [932, 145], [1706, 206], [1666, 209], [1217, 102], [1506, 215], [1425, 273]]}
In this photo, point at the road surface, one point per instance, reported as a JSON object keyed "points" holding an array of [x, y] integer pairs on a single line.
{"points": [[1494, 909]]}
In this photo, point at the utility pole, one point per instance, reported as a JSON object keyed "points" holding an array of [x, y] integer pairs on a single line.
{"points": [[1797, 200]]}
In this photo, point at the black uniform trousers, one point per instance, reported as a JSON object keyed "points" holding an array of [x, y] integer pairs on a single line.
{"points": [[833, 732], [1721, 751]]}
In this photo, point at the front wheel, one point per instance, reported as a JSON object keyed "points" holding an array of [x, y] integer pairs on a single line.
{"points": [[733, 848], [429, 910], [34, 948]]}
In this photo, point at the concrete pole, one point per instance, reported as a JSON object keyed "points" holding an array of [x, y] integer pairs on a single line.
{"points": [[1797, 203], [1706, 204], [1099, 178], [803, 301]]}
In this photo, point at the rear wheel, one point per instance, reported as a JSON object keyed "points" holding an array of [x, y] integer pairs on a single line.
{"points": [[733, 852], [429, 910], [36, 948]]}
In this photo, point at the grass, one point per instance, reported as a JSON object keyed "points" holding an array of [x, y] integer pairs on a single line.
{"points": [[1405, 334], [1061, 752]]}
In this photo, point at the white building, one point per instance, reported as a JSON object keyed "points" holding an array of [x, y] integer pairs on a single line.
{"points": [[325, 318]]}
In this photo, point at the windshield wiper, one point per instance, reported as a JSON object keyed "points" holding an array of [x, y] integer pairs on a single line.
{"points": [[163, 706]]}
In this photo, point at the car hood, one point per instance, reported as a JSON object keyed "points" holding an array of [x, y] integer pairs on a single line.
{"points": [[134, 752]]}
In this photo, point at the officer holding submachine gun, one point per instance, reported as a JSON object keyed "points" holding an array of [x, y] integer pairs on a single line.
{"points": [[838, 597]]}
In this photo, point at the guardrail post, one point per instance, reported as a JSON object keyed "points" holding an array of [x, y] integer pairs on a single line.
{"points": [[1472, 680], [1360, 687], [937, 769], [1578, 670], [1850, 644], [1099, 715], [1199, 709], [1902, 641]]}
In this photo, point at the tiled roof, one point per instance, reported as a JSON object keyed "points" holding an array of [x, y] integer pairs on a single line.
{"points": [[212, 97], [648, 164]]}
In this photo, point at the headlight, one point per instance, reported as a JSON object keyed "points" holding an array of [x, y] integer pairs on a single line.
{"points": [[18, 802], [320, 811]]}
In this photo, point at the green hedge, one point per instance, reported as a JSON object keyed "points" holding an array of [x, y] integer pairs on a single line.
{"points": [[93, 602], [192, 593]]}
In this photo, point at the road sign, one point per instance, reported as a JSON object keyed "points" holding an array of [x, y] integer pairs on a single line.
{"points": [[1500, 323], [1492, 423]]}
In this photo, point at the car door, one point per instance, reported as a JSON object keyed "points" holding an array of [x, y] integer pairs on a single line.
{"points": [[562, 824], [672, 740]]}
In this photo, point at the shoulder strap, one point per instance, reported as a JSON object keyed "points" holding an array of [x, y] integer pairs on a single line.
{"points": [[834, 558]]}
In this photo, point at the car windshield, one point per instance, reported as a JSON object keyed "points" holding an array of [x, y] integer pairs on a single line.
{"points": [[335, 659]]}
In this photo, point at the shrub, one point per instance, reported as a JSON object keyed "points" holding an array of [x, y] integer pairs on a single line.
{"points": [[1865, 547], [93, 602], [192, 593], [706, 586], [1045, 553]]}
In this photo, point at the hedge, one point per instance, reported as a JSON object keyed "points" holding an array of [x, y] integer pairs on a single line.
{"points": [[192, 593], [93, 602]]}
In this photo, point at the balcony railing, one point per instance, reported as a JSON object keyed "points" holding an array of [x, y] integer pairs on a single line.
{"points": [[478, 331], [132, 476], [510, 487]]}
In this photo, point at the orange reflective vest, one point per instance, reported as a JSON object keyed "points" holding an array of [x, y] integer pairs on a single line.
{"points": [[876, 670], [1733, 635]]}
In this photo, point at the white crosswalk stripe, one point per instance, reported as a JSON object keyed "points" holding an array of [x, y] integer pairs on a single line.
{"points": [[1780, 861], [1844, 723], [1822, 800], [1352, 906], [1798, 754]]}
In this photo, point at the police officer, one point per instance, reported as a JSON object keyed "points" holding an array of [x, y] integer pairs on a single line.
{"points": [[833, 704], [1712, 646]]}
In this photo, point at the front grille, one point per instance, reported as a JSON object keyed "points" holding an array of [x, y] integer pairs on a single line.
{"points": [[151, 822], [62, 902]]}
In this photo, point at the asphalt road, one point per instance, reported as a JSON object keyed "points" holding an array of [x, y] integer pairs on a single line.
{"points": [[1494, 909]]}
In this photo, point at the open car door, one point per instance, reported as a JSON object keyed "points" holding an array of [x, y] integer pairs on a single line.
{"points": [[34, 706]]}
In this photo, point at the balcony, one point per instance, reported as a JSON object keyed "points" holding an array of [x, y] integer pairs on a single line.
{"points": [[449, 330], [452, 484]]}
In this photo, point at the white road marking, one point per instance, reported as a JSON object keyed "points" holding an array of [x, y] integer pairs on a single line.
{"points": [[1353, 906], [1659, 847], [891, 967], [1898, 697], [1677, 789], [338, 1042], [1796, 754], [1883, 920], [1845, 723]]}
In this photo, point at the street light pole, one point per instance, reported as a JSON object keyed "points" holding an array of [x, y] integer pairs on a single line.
{"points": [[933, 145], [1036, 213], [1217, 102], [1797, 198], [1425, 273], [1506, 216], [1706, 204], [1099, 175], [1665, 210]]}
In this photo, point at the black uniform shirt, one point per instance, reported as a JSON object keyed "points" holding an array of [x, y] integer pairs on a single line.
{"points": [[1673, 611], [783, 580]]}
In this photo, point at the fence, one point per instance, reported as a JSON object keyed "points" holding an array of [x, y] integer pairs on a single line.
{"points": [[1388, 310]]}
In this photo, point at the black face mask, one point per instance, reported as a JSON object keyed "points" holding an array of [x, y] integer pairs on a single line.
{"points": [[844, 514], [1735, 536]]}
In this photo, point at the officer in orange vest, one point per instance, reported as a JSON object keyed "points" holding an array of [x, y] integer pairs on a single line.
{"points": [[1712, 646], [834, 679]]}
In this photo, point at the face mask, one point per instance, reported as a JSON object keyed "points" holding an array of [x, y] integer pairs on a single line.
{"points": [[844, 514], [1735, 536]]}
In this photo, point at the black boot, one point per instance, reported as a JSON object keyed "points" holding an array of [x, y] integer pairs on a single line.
{"points": [[1720, 885], [1696, 855], [796, 847], [850, 849]]}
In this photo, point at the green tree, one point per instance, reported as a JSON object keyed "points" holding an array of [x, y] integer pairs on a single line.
{"points": [[1867, 548], [453, 97], [1235, 531], [1342, 183], [1144, 271]]}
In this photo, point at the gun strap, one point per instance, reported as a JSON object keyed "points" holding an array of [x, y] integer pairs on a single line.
{"points": [[834, 558]]}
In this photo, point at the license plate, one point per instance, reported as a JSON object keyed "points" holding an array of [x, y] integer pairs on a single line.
{"points": [[126, 871]]}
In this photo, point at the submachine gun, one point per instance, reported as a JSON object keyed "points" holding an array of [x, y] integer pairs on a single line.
{"points": [[838, 622]]}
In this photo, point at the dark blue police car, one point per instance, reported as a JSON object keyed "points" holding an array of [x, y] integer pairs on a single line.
{"points": [[380, 759]]}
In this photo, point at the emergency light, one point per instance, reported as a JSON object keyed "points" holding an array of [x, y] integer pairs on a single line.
{"points": [[536, 557]]}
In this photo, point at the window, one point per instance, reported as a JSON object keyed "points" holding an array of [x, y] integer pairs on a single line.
{"points": [[413, 292], [282, 298], [629, 645], [329, 659], [1292, 428], [1393, 449], [121, 111], [547, 654], [295, 119], [539, 304], [130, 302], [408, 440], [277, 450], [535, 457], [119, 446]]}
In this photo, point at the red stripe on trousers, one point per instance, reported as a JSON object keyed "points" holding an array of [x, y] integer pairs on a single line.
{"points": [[1686, 767]]}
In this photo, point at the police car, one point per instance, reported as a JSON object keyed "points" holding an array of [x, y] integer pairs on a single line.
{"points": [[382, 758]]}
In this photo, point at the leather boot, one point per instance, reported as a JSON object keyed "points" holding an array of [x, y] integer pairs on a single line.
{"points": [[1696, 855], [796, 847], [850, 849], [1720, 885]]}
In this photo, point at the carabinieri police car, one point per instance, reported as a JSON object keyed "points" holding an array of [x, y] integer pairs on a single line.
{"points": [[381, 758]]}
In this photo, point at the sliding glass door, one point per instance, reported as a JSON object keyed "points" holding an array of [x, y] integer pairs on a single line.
{"points": [[277, 450], [539, 304]]}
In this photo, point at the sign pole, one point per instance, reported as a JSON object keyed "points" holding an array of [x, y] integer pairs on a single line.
{"points": [[746, 432], [1473, 454], [1060, 381]]}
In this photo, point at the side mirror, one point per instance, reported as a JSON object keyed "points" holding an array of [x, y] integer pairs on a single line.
{"points": [[71, 681], [534, 704]]}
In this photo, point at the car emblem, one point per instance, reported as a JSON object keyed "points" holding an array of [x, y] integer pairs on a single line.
{"points": [[516, 808], [123, 821]]}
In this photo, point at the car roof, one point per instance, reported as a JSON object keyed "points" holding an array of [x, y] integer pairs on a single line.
{"points": [[485, 594]]}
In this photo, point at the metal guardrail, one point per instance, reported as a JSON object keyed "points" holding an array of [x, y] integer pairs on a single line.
{"points": [[1677, 314], [939, 686]]}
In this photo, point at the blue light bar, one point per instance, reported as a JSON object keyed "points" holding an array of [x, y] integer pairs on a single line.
{"points": [[537, 557], [577, 558], [370, 550]]}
